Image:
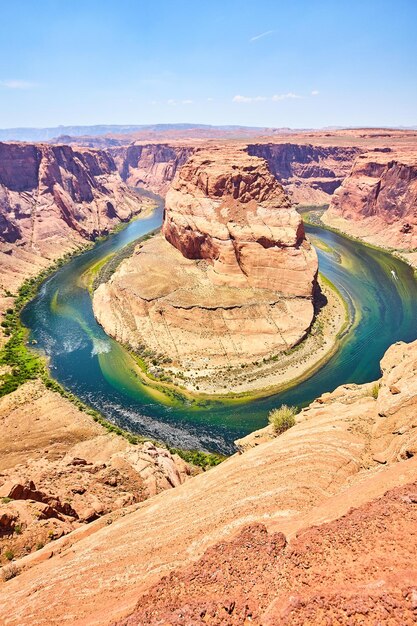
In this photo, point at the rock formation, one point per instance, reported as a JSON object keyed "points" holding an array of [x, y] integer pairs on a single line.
{"points": [[231, 282], [151, 166], [377, 201], [346, 450], [53, 198], [309, 173], [60, 470], [228, 209]]}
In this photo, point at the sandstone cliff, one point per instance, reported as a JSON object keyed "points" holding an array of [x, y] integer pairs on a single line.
{"points": [[309, 173], [52, 199], [346, 450], [231, 282], [377, 201], [227, 208], [152, 166]]}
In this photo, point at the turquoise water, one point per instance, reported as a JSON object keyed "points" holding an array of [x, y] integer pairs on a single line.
{"points": [[382, 296]]}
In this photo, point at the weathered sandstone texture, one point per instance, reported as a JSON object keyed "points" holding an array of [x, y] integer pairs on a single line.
{"points": [[151, 166], [309, 173], [260, 578], [231, 281], [346, 450], [60, 470], [53, 199], [377, 201], [227, 208]]}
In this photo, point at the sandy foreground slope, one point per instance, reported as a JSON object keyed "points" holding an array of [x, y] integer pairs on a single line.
{"points": [[346, 449]]}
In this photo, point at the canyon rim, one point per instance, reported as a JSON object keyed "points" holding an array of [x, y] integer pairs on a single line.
{"points": [[208, 347]]}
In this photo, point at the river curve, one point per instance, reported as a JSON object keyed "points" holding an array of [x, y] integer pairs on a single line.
{"points": [[381, 291]]}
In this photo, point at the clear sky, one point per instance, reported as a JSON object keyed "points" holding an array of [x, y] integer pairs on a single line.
{"points": [[296, 63]]}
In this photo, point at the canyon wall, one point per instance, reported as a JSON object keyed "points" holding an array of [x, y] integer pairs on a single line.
{"points": [[151, 166], [377, 201], [309, 173], [230, 281], [346, 450], [53, 199]]}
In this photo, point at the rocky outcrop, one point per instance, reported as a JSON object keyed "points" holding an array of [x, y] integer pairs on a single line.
{"points": [[309, 173], [260, 578], [346, 450], [228, 209], [377, 201], [151, 166], [60, 470], [231, 281], [52, 199]]}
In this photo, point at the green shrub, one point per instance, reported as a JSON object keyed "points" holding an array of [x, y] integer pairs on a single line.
{"points": [[204, 460], [9, 554], [375, 391], [282, 419]]}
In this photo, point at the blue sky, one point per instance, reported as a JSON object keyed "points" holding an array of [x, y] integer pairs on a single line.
{"points": [[298, 63]]}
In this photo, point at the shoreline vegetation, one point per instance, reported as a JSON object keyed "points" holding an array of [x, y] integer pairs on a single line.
{"points": [[20, 364], [277, 372], [147, 364]]}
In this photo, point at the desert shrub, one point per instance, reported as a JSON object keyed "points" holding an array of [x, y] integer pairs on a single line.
{"points": [[9, 571], [204, 460], [282, 419], [375, 390], [9, 554]]}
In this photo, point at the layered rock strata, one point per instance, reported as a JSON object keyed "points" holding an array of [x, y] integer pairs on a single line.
{"points": [[377, 201], [53, 199], [346, 450], [151, 166], [309, 173], [59, 470], [230, 281]]}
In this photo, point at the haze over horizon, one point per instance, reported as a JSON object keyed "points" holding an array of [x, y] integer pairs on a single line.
{"points": [[308, 64]]}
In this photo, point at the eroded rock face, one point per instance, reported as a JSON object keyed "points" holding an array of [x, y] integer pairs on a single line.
{"points": [[227, 208], [233, 278], [152, 166], [201, 557], [53, 198], [60, 470], [309, 173], [377, 201]]}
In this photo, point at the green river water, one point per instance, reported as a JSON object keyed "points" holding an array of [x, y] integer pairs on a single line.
{"points": [[381, 292]]}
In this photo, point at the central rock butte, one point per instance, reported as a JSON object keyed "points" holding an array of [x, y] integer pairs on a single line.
{"points": [[230, 281]]}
